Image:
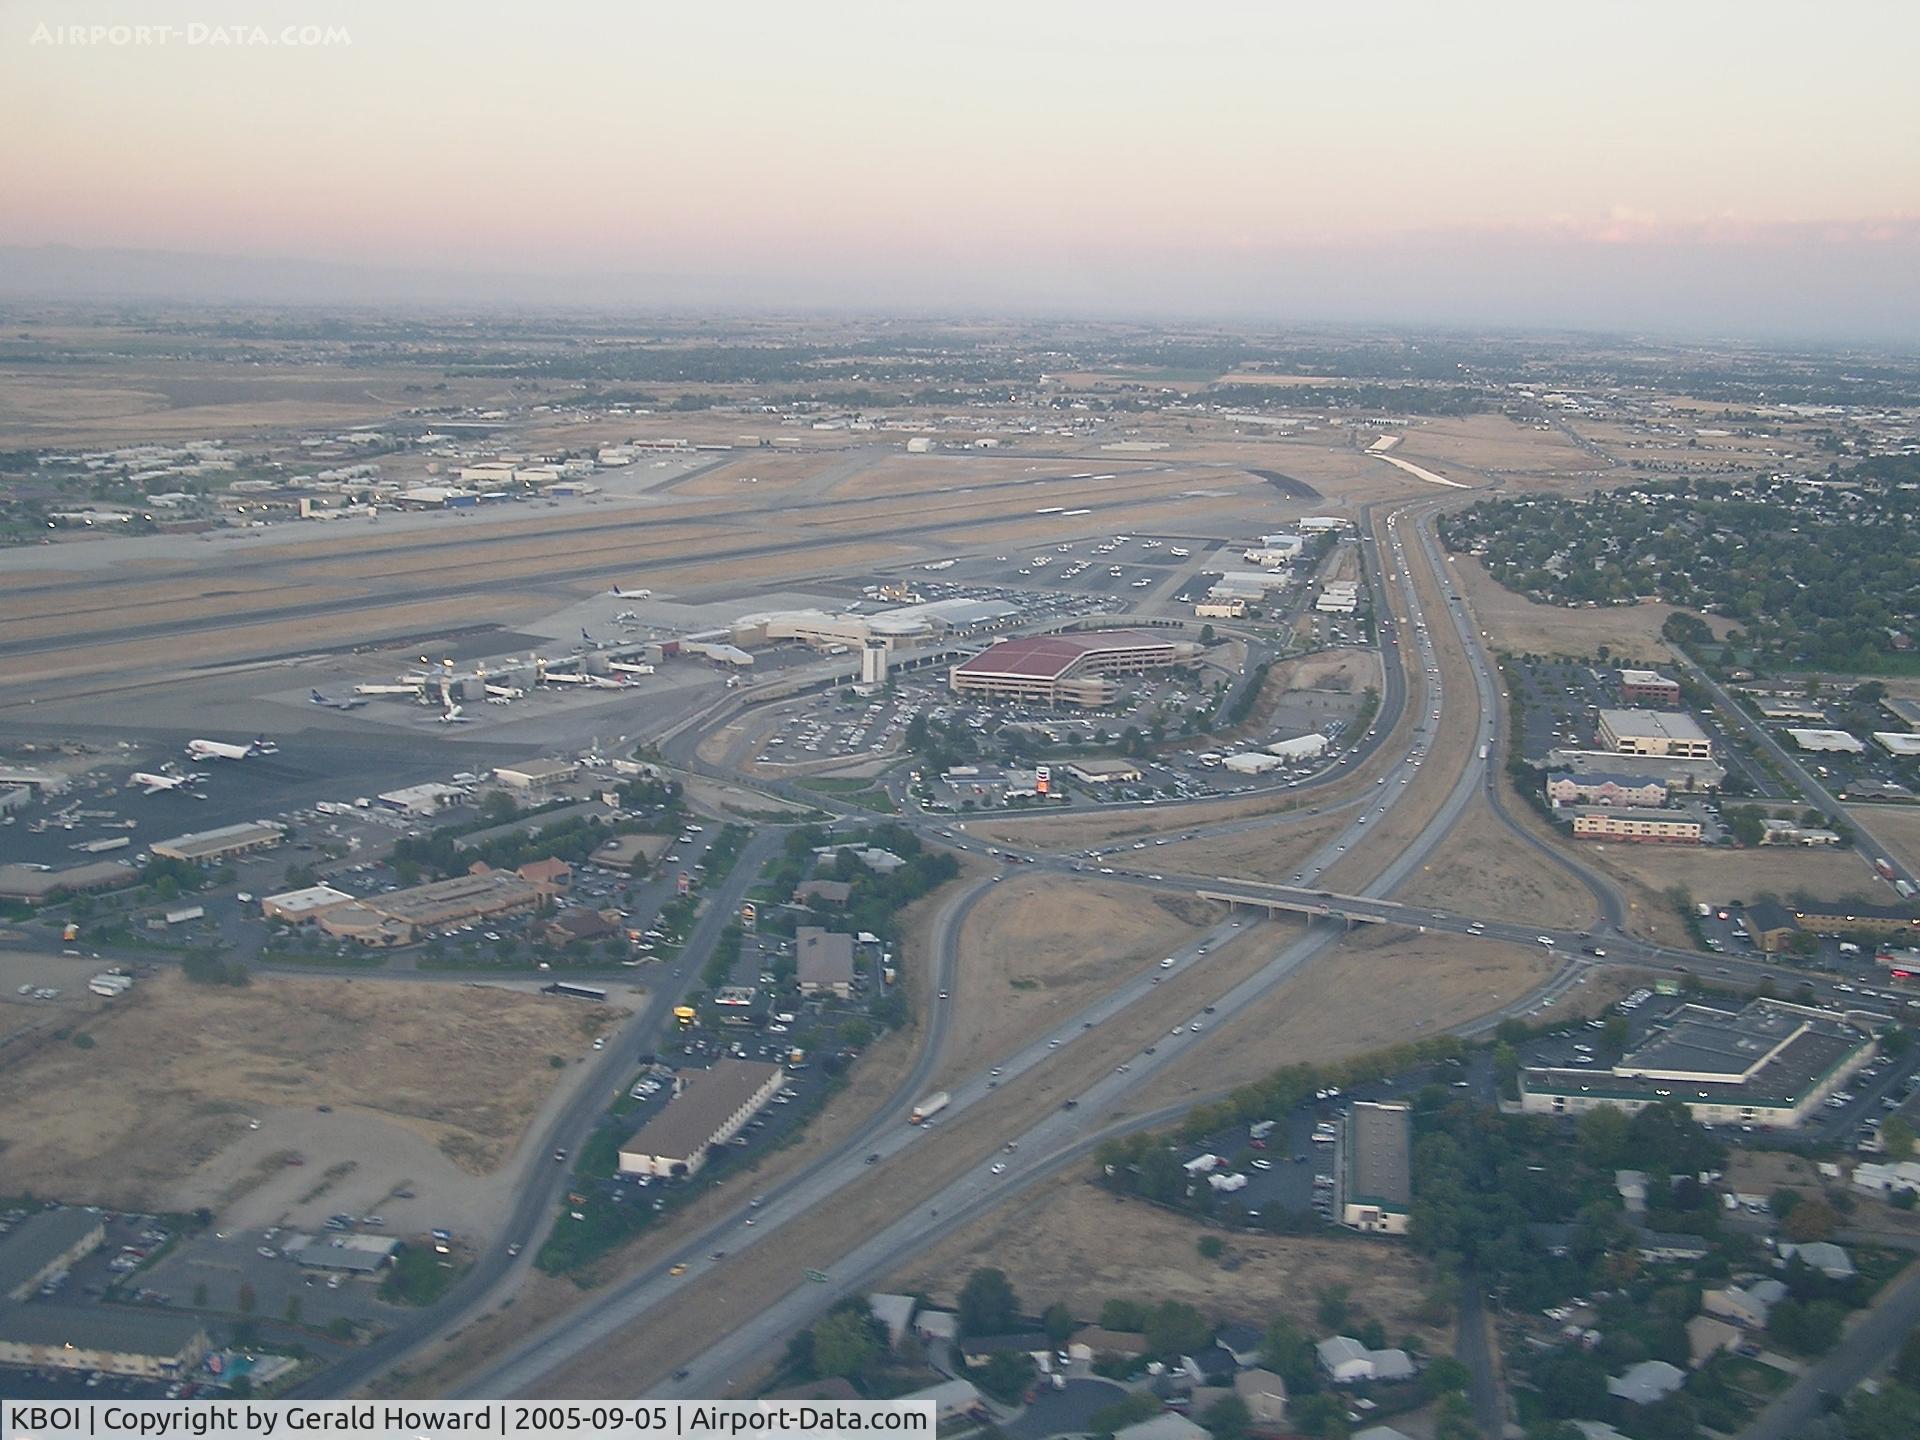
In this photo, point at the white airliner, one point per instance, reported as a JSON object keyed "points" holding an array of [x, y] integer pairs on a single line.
{"points": [[453, 716], [151, 784], [631, 594], [221, 750], [344, 704]]}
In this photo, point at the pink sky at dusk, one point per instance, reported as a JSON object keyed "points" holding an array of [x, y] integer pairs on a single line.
{"points": [[980, 153]]}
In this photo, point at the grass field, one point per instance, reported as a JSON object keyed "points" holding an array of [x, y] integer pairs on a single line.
{"points": [[1483, 870]]}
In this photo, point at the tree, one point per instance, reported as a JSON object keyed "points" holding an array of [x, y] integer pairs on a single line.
{"points": [[1006, 1375], [1332, 1309], [1897, 1135], [844, 1344], [1122, 1413], [1811, 1220], [988, 1305], [1176, 1329], [1602, 1134], [1211, 1247], [1228, 1418], [1323, 1416], [1057, 1321]]}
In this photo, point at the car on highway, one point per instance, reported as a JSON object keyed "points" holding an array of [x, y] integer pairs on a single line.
{"points": [[679, 1269], [999, 1168], [1544, 939], [1167, 964]]}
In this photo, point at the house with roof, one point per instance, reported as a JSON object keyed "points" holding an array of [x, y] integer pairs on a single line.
{"points": [[823, 961], [1822, 1255], [1664, 1247], [1092, 1341], [1707, 1336], [894, 1313], [979, 1349], [1344, 1360], [1265, 1396], [550, 876], [1165, 1426], [1209, 1366], [835, 893], [1647, 1382], [578, 924], [1747, 1305], [935, 1325], [1242, 1342], [1631, 1186]]}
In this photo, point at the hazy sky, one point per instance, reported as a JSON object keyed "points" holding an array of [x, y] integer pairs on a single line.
{"points": [[1752, 166]]}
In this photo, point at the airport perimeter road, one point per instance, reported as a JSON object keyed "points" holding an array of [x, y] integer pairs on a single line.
{"points": [[1866, 841], [536, 1195], [1863, 1350]]}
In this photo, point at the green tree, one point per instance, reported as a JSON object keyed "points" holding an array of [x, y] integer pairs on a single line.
{"points": [[1228, 1418], [844, 1344], [1211, 1247], [1897, 1136], [1811, 1220], [1602, 1134], [1175, 1329], [988, 1305], [1057, 1321], [1122, 1413], [1006, 1375]]}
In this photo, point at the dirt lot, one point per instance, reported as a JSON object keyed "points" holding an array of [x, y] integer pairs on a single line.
{"points": [[1492, 445], [1717, 876], [176, 1070], [1483, 870], [1517, 625], [1068, 1240], [1897, 826], [1272, 852], [1375, 988], [1025, 960]]}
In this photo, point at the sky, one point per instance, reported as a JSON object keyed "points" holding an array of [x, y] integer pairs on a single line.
{"points": [[1729, 167]]}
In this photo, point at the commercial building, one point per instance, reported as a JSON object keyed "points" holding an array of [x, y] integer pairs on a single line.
{"points": [[1066, 669], [229, 840], [1300, 747], [45, 1245], [1648, 687], [1253, 762], [1375, 1181], [1339, 597], [1895, 742], [710, 1108], [536, 776], [1670, 771], [1231, 608], [302, 907], [1826, 742], [1646, 827], [31, 883], [1770, 925], [1654, 732], [823, 961], [400, 916], [1603, 788], [1769, 1064], [354, 1254], [1786, 832], [1104, 772], [145, 1343], [427, 799], [1869, 921]]}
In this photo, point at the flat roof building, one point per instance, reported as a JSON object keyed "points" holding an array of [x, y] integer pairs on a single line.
{"points": [[1671, 771], [1069, 668], [1658, 827], [299, 907], [427, 799], [399, 916], [1654, 732], [1648, 686], [204, 845], [147, 1343], [1376, 1168], [30, 882], [710, 1109], [824, 961], [1826, 742], [1845, 918], [535, 774], [1771, 1063], [44, 1245]]}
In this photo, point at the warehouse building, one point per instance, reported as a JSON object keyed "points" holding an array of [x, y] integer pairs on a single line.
{"points": [[31, 883], [1376, 1168], [45, 1245], [1826, 742], [710, 1108], [1769, 1064], [1603, 788], [427, 799], [1654, 732], [204, 846], [1104, 772], [1646, 827], [1066, 669], [1232, 607], [823, 961], [1338, 597], [1648, 687], [1896, 743], [302, 907], [145, 1343]]}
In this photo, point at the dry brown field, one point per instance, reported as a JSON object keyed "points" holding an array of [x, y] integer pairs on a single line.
{"points": [[1071, 1241], [1518, 626], [1716, 876], [1483, 870], [176, 1069], [1897, 826]]}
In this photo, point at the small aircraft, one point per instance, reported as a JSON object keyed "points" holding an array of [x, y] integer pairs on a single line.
{"points": [[223, 750], [151, 784], [453, 715], [343, 704]]}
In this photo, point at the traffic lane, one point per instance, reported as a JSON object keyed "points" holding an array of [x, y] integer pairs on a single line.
{"points": [[1867, 1346]]}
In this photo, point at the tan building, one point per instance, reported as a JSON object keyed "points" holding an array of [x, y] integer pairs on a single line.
{"points": [[146, 1343], [823, 961], [1654, 732], [303, 907], [711, 1107], [1658, 827], [399, 916], [203, 846], [1870, 921], [1232, 608]]}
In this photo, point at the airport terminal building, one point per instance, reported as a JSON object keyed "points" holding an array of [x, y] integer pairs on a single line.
{"points": [[1069, 669], [1770, 1064]]}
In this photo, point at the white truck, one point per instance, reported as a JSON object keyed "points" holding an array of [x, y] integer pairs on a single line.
{"points": [[929, 1107]]}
